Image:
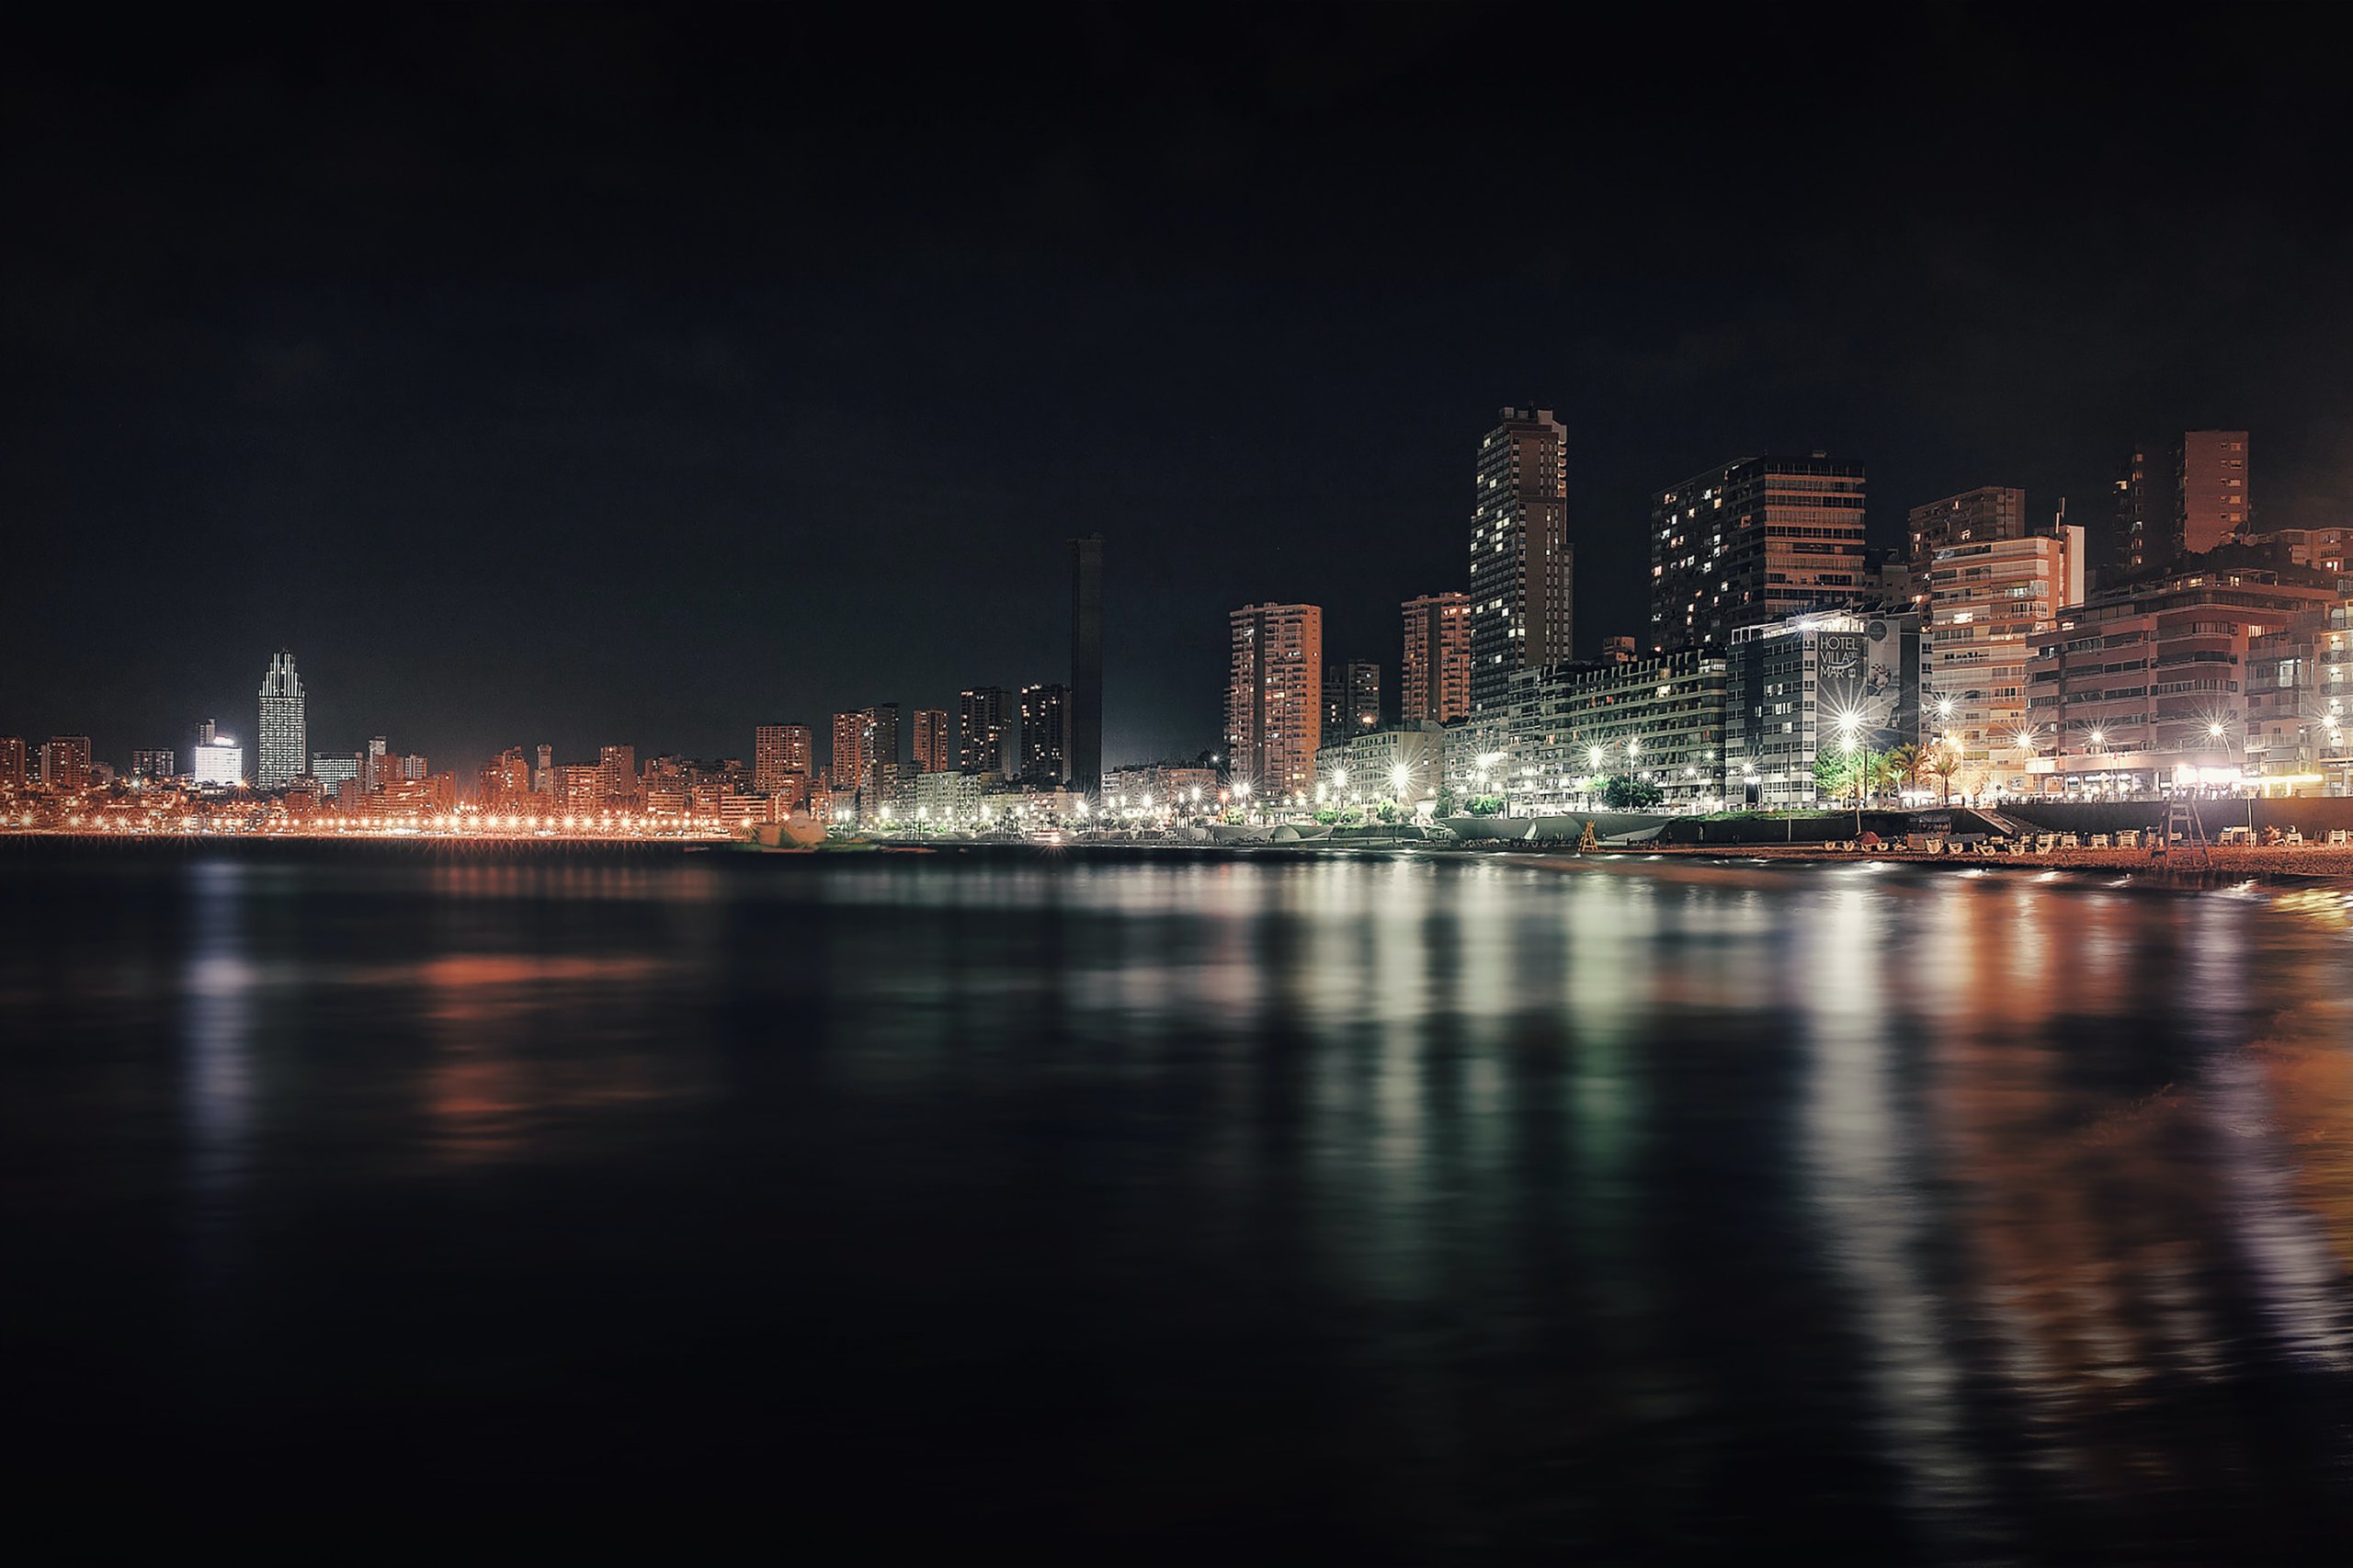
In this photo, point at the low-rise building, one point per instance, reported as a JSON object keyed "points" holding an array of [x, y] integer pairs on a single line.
{"points": [[1563, 729]]}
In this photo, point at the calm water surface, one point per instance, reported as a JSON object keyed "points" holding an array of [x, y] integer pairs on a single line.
{"points": [[1400, 1211]]}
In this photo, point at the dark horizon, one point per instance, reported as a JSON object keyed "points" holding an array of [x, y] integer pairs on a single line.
{"points": [[598, 376]]}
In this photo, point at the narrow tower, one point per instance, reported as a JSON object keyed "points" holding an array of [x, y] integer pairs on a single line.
{"points": [[284, 741]]}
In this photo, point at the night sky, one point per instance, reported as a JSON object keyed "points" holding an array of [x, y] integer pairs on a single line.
{"points": [[600, 376]]}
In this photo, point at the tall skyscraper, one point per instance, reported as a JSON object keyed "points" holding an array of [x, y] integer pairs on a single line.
{"points": [[1086, 662], [1752, 542], [1045, 734], [2211, 505], [12, 761], [1436, 669], [849, 751], [1974, 517], [543, 780], [1351, 699], [2142, 528], [985, 732], [866, 749], [931, 754], [284, 745], [1274, 697], [780, 753], [617, 775], [1523, 575], [376, 765], [65, 763]]}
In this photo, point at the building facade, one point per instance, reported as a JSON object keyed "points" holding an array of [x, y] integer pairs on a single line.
{"points": [[149, 766], [1404, 765], [2211, 503], [2144, 687], [220, 760], [12, 761], [284, 741], [1974, 516], [1351, 699], [617, 771], [2299, 685], [2143, 527], [930, 744], [1045, 734], [65, 763], [1274, 698], [781, 752], [1752, 543], [1522, 570], [1829, 682], [1564, 731], [987, 732], [1434, 672], [1988, 602]]}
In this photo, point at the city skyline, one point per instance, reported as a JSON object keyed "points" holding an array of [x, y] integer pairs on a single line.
{"points": [[570, 481]]}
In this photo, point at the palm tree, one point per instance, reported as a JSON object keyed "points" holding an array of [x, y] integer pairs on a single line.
{"points": [[1942, 761], [1906, 764]]}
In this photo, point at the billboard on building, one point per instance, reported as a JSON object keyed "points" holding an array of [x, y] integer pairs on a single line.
{"points": [[1867, 681]]}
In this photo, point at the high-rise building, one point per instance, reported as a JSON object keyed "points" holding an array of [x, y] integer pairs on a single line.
{"points": [[376, 764], [931, 754], [1086, 770], [284, 743], [151, 764], [1974, 517], [1755, 543], [617, 767], [414, 766], [12, 761], [1522, 570], [985, 732], [2211, 498], [1437, 666], [849, 751], [866, 750], [1045, 734], [65, 763], [780, 753], [1351, 699], [543, 780], [220, 760], [1274, 697], [2143, 532], [1988, 601]]}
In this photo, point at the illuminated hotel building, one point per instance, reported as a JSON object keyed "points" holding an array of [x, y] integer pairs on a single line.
{"points": [[780, 753], [1436, 669], [1974, 517], [866, 750], [1794, 688], [284, 741], [1987, 602], [2300, 704], [930, 740], [1522, 569], [1045, 734], [1562, 730], [1752, 543], [1274, 697], [983, 736]]}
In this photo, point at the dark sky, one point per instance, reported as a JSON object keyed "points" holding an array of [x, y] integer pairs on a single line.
{"points": [[552, 374]]}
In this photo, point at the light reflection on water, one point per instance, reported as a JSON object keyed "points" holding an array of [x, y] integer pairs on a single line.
{"points": [[1413, 1208]]}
